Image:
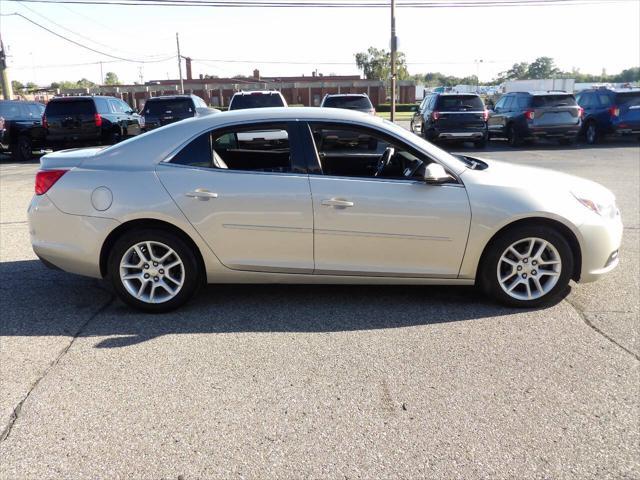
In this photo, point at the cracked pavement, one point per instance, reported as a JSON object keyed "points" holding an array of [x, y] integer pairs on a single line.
{"points": [[322, 381]]}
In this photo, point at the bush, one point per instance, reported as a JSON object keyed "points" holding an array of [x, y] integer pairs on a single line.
{"points": [[400, 107]]}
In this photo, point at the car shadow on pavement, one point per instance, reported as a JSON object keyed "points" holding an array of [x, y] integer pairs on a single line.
{"points": [[39, 301]]}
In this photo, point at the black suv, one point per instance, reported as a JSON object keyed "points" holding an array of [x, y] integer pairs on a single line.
{"points": [[166, 109], [21, 128], [88, 120], [520, 116], [458, 117], [351, 101]]}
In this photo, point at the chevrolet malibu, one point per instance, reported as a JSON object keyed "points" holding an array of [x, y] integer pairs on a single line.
{"points": [[298, 195]]}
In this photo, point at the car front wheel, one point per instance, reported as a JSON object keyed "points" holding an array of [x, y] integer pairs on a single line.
{"points": [[153, 270], [528, 267]]}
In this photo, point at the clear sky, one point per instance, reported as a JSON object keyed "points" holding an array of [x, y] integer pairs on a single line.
{"points": [[590, 37]]}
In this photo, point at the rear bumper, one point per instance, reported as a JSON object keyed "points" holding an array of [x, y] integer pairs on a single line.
{"points": [[626, 128], [562, 131], [453, 134], [69, 242], [74, 138]]}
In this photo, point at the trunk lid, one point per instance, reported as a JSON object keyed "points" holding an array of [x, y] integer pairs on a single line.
{"points": [[67, 159], [629, 105], [555, 109]]}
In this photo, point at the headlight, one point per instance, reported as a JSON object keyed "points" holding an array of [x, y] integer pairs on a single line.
{"points": [[606, 208]]}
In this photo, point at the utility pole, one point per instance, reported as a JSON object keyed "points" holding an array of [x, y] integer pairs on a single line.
{"points": [[101, 75], [394, 46], [7, 89], [179, 64]]}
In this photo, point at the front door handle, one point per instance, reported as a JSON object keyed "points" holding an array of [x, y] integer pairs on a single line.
{"points": [[337, 202], [202, 194]]}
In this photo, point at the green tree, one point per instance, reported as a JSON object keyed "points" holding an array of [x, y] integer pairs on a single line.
{"points": [[84, 83], [17, 86], [376, 64], [518, 71], [542, 67], [111, 79]]}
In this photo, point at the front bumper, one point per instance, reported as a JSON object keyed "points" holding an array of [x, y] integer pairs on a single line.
{"points": [[69, 242], [601, 240]]}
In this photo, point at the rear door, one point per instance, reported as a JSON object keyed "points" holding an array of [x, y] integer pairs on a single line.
{"points": [[71, 118], [555, 110], [245, 192], [497, 118]]}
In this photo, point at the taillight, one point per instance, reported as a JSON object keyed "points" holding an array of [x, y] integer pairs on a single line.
{"points": [[435, 115], [98, 120], [45, 124], [580, 112], [529, 114], [46, 178], [614, 111], [485, 115]]}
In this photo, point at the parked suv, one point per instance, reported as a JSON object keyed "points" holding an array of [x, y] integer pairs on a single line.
{"points": [[609, 111], [351, 101], [21, 128], [166, 109], [458, 117], [521, 116], [257, 99], [88, 120]]}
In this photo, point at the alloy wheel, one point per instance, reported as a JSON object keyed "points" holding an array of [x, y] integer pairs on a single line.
{"points": [[152, 272], [529, 268]]}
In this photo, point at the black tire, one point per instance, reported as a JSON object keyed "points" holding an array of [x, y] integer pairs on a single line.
{"points": [[591, 134], [513, 136], [22, 150], [480, 143], [488, 270], [192, 271], [115, 137], [567, 141]]}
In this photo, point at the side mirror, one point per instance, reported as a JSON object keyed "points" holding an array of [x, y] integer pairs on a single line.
{"points": [[435, 174]]}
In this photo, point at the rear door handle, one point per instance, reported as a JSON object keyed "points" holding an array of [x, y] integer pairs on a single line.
{"points": [[202, 194], [336, 202]]}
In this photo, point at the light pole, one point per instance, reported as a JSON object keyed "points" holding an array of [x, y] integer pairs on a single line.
{"points": [[478, 62], [394, 46], [179, 64]]}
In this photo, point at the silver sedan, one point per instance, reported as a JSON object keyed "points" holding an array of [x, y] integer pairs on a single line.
{"points": [[312, 195]]}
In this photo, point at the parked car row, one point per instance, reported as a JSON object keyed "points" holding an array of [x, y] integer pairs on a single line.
{"points": [[523, 116]]}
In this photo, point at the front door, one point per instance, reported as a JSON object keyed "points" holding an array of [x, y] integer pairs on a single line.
{"points": [[387, 221], [239, 189]]}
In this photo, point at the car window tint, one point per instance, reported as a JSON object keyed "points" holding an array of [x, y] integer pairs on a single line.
{"points": [[460, 103], [70, 107], [124, 106], [355, 102], [348, 152], [507, 103], [255, 100], [10, 110], [522, 102], [500, 103], [628, 98], [554, 101], [34, 110], [102, 105], [169, 106]]}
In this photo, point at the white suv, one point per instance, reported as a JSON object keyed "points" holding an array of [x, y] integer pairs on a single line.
{"points": [[257, 99]]}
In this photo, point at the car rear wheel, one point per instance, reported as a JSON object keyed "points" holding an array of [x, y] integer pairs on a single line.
{"points": [[591, 133], [153, 270], [480, 143], [23, 149], [513, 136], [527, 267]]}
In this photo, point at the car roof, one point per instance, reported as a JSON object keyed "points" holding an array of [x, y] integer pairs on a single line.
{"points": [[254, 92], [31, 102], [169, 97], [347, 95], [456, 94]]}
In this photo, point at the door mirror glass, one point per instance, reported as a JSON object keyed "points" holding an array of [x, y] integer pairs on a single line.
{"points": [[435, 173]]}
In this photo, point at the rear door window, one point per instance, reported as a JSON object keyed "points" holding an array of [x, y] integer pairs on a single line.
{"points": [[460, 103], [542, 101], [507, 103], [70, 107], [102, 104], [522, 102]]}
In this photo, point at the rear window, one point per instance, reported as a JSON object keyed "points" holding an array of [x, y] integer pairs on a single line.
{"points": [[70, 107], [11, 111], [628, 98], [255, 100], [554, 101], [352, 103], [459, 103], [176, 106]]}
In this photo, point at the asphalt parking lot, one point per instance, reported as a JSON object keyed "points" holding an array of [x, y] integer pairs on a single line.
{"points": [[322, 381]]}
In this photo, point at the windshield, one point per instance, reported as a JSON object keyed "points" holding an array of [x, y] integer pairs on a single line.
{"points": [[176, 106], [460, 103], [554, 101], [628, 98], [352, 103], [255, 100]]}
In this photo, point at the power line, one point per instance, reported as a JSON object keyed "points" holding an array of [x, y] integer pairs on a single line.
{"points": [[15, 14], [329, 4]]}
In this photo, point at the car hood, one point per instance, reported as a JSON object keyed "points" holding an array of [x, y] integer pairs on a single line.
{"points": [[542, 181]]}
